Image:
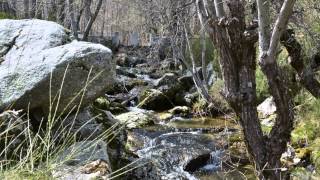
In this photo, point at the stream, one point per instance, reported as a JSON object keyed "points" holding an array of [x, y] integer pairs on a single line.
{"points": [[186, 148], [177, 144]]}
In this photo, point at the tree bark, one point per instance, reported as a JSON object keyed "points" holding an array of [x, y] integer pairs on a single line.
{"points": [[52, 10], [279, 136], [78, 18], [238, 64], [218, 4], [103, 20], [197, 81], [74, 26], [9, 7], [91, 21], [203, 57], [39, 10], [87, 11], [26, 8], [33, 8], [60, 15], [236, 48], [306, 73]]}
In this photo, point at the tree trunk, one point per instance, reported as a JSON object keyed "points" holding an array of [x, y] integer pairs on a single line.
{"points": [[203, 57], [197, 80], [103, 20], [91, 21], [26, 8], [39, 10], [238, 64], [9, 7], [305, 72], [52, 10], [60, 15], [78, 18], [74, 26], [33, 8], [87, 11], [279, 136]]}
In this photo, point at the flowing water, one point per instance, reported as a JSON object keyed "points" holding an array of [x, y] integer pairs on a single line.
{"points": [[193, 148], [184, 147]]}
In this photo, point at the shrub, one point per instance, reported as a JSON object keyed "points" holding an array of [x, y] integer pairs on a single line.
{"points": [[4, 15], [308, 115], [261, 86], [220, 102], [211, 54]]}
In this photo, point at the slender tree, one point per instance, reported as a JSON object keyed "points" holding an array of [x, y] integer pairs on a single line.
{"points": [[93, 17], [26, 8], [74, 24]]}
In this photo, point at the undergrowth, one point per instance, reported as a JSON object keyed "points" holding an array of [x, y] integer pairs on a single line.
{"points": [[37, 155], [6, 16]]}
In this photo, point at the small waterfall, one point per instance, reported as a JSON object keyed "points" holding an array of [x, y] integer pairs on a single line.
{"points": [[214, 163]]}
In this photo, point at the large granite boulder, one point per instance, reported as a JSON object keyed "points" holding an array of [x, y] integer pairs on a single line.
{"points": [[38, 60]]}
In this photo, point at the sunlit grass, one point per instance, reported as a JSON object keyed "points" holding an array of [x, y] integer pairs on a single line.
{"points": [[36, 157]]}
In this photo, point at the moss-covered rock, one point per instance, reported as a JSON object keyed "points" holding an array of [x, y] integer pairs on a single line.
{"points": [[180, 110], [117, 108], [219, 105], [153, 99], [136, 119], [219, 100], [164, 116], [102, 103]]}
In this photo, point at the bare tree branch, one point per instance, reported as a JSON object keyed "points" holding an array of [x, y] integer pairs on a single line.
{"points": [[305, 72], [280, 27], [91, 21]]}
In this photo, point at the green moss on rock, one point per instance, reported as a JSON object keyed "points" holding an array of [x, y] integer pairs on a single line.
{"points": [[102, 103]]}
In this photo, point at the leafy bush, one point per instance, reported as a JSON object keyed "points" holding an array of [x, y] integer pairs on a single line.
{"points": [[308, 115], [215, 92], [5, 16], [305, 132], [220, 105], [287, 73], [211, 54], [315, 155], [262, 86]]}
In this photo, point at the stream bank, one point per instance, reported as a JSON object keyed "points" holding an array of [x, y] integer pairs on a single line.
{"points": [[166, 136]]}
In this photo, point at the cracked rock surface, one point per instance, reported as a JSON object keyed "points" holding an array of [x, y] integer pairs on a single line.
{"points": [[37, 58]]}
